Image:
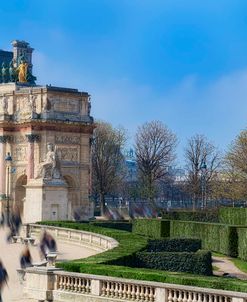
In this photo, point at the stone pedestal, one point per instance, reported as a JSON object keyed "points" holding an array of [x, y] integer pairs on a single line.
{"points": [[46, 200]]}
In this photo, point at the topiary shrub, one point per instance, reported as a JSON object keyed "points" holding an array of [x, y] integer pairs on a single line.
{"points": [[153, 228], [174, 245], [196, 263]]}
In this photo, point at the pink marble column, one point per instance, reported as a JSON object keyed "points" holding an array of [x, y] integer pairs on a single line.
{"points": [[30, 155], [3, 140]]}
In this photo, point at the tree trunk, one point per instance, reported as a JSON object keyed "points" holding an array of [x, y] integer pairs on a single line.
{"points": [[102, 204]]}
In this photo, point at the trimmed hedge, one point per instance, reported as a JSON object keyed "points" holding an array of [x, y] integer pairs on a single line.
{"points": [[154, 228], [242, 243], [95, 264], [202, 216], [215, 237], [174, 245], [125, 226], [233, 216], [195, 263]]}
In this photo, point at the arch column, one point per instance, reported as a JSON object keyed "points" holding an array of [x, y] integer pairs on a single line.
{"points": [[31, 138], [3, 140]]}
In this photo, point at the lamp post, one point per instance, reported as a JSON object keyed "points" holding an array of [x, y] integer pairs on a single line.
{"points": [[8, 160], [203, 169]]}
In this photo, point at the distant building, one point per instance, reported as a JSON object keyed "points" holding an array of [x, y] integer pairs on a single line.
{"points": [[131, 165], [178, 174]]}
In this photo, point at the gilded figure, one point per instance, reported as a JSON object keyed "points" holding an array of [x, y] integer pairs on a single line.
{"points": [[22, 72]]}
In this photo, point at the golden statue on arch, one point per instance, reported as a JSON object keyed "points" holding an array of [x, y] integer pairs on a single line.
{"points": [[22, 72]]}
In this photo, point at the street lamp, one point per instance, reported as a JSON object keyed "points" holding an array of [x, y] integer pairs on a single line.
{"points": [[203, 169], [8, 160]]}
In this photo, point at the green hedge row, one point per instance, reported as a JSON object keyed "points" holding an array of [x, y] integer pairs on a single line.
{"points": [[130, 244], [125, 226], [242, 243], [174, 245], [215, 237], [153, 228], [202, 216], [196, 263], [233, 216]]}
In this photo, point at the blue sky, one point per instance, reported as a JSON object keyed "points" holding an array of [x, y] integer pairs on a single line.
{"points": [[181, 62]]}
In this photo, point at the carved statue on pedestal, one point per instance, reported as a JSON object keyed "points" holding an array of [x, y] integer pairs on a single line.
{"points": [[50, 168]]}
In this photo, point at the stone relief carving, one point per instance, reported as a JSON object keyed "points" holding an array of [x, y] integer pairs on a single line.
{"points": [[23, 108], [68, 154], [4, 104], [19, 153], [65, 105], [64, 139], [18, 139], [32, 103], [50, 168]]}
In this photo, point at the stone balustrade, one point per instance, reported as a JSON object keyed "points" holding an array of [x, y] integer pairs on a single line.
{"points": [[66, 286], [78, 237]]}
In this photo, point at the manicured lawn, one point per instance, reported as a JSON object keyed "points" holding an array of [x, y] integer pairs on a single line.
{"points": [[242, 265], [218, 255]]}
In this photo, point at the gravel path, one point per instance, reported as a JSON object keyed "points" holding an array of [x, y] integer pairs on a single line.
{"points": [[10, 253], [226, 266]]}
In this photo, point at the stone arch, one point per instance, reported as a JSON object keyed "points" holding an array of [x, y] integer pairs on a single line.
{"points": [[73, 200], [20, 192]]}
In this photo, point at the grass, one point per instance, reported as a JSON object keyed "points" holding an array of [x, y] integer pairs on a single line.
{"points": [[219, 255], [215, 268], [240, 264]]}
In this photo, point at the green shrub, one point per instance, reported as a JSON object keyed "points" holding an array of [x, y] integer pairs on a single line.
{"points": [[214, 236], [233, 216], [195, 263], [174, 245], [242, 243], [153, 228], [202, 216]]}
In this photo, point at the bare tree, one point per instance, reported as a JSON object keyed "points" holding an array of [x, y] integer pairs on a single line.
{"points": [[236, 168], [236, 157], [202, 165], [155, 150], [107, 160]]}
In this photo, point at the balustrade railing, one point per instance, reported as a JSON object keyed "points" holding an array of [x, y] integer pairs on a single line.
{"points": [[127, 291], [73, 284], [194, 296], [140, 291], [79, 237]]}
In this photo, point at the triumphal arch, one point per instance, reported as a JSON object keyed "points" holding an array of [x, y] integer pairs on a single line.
{"points": [[47, 131]]}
